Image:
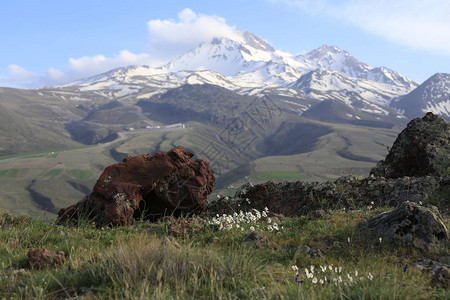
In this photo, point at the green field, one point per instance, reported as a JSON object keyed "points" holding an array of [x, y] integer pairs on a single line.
{"points": [[11, 173], [54, 173], [81, 174]]}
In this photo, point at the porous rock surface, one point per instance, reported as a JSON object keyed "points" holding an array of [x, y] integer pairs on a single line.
{"points": [[441, 277], [301, 198], [440, 272], [421, 149], [40, 258], [148, 186], [410, 224]]}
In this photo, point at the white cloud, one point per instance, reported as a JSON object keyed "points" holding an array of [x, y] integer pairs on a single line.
{"points": [[18, 76], [92, 65], [419, 24], [167, 39], [20, 73]]}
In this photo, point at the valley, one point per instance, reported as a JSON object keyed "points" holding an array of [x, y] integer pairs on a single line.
{"points": [[65, 176]]}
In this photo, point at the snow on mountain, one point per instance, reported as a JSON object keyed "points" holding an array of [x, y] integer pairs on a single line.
{"points": [[252, 62], [366, 95], [131, 80], [335, 59], [432, 95], [250, 65]]}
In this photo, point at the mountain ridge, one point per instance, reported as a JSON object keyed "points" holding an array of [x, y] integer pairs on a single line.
{"points": [[250, 65]]}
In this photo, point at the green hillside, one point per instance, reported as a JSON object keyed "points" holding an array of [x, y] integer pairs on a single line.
{"points": [[18, 135]]}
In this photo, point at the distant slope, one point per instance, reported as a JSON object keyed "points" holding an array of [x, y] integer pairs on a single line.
{"points": [[214, 105], [335, 111], [18, 135]]}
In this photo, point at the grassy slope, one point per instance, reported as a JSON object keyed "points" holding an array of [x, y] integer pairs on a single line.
{"points": [[18, 135], [147, 261]]}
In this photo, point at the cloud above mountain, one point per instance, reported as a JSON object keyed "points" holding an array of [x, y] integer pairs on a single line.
{"points": [[167, 39], [419, 24]]}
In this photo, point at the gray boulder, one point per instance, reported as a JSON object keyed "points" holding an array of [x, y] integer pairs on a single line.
{"points": [[421, 149], [410, 224]]}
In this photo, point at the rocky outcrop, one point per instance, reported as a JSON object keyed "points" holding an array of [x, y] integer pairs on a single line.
{"points": [[40, 258], [410, 224], [145, 186], [421, 149], [301, 198]]}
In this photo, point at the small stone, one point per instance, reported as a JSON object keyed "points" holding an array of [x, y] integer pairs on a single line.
{"points": [[40, 258], [313, 253], [254, 238], [17, 273], [441, 277]]}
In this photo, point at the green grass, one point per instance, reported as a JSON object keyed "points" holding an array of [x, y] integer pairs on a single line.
{"points": [[81, 174], [11, 173], [278, 176], [53, 173], [46, 153], [200, 262]]}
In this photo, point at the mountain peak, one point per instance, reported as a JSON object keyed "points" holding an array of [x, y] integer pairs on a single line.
{"points": [[432, 95], [327, 49], [440, 76], [257, 42]]}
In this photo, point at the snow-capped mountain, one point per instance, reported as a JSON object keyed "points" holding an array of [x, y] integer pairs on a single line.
{"points": [[326, 84], [335, 59], [432, 95], [250, 65]]}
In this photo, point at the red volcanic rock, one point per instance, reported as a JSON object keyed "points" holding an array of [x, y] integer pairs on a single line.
{"points": [[39, 258], [149, 186]]}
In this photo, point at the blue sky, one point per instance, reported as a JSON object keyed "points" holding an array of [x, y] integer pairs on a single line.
{"points": [[52, 42]]}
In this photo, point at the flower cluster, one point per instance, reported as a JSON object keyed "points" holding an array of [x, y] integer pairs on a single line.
{"points": [[329, 275], [236, 220]]}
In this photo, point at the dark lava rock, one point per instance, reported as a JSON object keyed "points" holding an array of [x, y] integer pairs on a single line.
{"points": [[306, 250], [441, 277], [440, 272], [145, 186], [410, 224], [421, 149], [40, 258], [300, 198], [254, 239]]}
